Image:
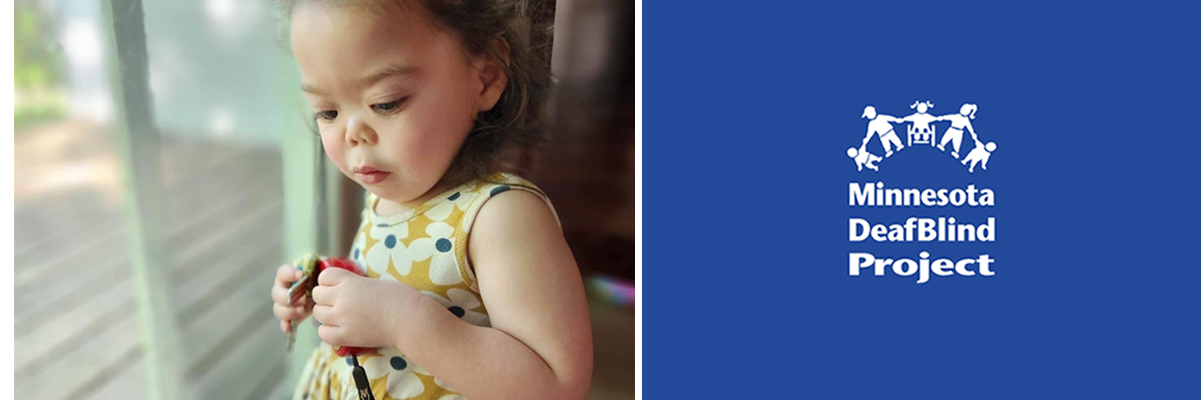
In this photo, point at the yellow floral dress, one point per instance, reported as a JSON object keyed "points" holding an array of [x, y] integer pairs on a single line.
{"points": [[426, 249]]}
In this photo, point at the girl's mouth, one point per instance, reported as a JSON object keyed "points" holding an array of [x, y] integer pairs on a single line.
{"points": [[370, 175]]}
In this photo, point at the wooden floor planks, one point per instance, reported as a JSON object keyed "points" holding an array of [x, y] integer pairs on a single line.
{"points": [[77, 335]]}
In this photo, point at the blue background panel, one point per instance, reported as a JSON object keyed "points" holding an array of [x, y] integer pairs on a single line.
{"points": [[748, 112]]}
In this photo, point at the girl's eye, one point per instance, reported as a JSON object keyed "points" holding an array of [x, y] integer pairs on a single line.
{"points": [[389, 107], [327, 115]]}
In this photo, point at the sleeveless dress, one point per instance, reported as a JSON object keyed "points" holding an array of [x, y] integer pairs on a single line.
{"points": [[426, 249]]}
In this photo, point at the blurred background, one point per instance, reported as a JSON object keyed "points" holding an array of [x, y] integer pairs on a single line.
{"points": [[164, 169]]}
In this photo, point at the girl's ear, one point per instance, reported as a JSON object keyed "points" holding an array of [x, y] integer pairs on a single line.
{"points": [[491, 67]]}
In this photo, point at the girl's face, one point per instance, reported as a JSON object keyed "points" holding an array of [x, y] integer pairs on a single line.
{"points": [[393, 97]]}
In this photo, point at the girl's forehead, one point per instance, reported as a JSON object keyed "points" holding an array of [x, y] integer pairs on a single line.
{"points": [[349, 41]]}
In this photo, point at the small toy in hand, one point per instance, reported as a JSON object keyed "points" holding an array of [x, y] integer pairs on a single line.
{"points": [[303, 289]]}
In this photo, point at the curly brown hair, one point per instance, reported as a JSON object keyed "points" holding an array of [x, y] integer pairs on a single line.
{"points": [[527, 26]]}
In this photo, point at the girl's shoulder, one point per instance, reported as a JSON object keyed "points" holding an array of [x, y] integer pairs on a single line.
{"points": [[484, 190], [506, 211]]}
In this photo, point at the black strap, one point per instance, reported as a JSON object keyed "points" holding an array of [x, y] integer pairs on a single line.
{"points": [[360, 380]]}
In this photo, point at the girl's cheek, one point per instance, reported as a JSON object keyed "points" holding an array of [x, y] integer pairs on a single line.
{"points": [[332, 150]]}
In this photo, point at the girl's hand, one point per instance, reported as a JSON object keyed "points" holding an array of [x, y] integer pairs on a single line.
{"points": [[358, 311], [284, 277]]}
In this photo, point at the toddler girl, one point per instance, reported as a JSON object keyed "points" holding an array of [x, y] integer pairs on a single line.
{"points": [[470, 289]]}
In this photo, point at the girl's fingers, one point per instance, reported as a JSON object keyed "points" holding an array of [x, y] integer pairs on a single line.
{"points": [[285, 275], [279, 295], [287, 313], [323, 314], [319, 295], [331, 334], [283, 313], [286, 326]]}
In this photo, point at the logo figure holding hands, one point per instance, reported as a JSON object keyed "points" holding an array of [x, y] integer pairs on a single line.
{"points": [[880, 124], [920, 131], [959, 122]]}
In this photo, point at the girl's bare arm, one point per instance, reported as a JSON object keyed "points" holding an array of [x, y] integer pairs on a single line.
{"points": [[540, 342]]}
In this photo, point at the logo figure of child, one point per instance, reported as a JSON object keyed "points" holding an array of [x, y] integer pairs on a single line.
{"points": [[921, 131], [979, 154], [959, 122], [863, 158], [881, 125]]}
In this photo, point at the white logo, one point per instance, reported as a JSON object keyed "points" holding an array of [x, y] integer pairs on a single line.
{"points": [[921, 130]]}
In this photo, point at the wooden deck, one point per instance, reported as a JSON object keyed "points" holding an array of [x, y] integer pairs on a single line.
{"points": [[77, 335]]}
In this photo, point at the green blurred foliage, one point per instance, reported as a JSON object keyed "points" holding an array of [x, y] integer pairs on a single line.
{"points": [[37, 65]]}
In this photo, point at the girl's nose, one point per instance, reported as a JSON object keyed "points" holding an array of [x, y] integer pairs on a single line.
{"points": [[358, 132]]}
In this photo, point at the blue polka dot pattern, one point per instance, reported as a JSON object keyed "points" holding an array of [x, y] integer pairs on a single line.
{"points": [[443, 245], [498, 190], [453, 197], [390, 241], [356, 253], [457, 311], [349, 361], [398, 363]]}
